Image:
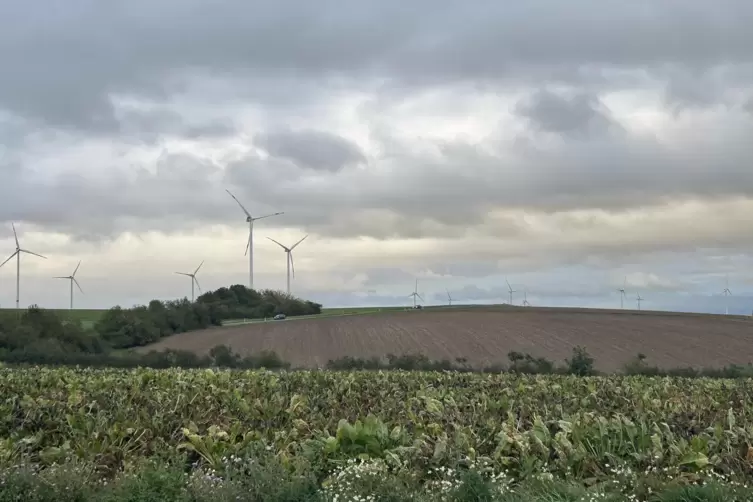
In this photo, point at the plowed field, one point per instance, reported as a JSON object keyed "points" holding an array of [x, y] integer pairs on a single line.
{"points": [[486, 336]]}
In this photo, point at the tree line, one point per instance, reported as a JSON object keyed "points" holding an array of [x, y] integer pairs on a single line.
{"points": [[40, 334]]}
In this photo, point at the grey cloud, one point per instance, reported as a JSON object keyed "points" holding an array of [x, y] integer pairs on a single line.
{"points": [[173, 196], [579, 113], [449, 193], [151, 125], [64, 66], [318, 150]]}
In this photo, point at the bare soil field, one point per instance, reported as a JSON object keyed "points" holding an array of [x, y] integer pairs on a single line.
{"points": [[485, 336]]}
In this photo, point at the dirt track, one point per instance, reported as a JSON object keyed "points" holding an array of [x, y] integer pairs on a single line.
{"points": [[485, 337]]}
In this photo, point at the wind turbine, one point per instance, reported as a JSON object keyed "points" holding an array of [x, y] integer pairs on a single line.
{"points": [[623, 295], [449, 298], [193, 279], [72, 278], [17, 254], [726, 293], [525, 298], [638, 299], [289, 257], [250, 244], [511, 291], [415, 294]]}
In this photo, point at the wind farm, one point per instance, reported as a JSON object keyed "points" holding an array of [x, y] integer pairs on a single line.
{"points": [[599, 329]]}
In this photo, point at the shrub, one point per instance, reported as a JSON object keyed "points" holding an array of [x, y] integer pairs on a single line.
{"points": [[581, 364]]}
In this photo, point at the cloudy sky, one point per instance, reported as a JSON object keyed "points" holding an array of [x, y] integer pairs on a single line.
{"points": [[565, 146]]}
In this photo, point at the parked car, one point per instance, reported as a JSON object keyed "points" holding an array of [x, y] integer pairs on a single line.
{"points": [[279, 317]]}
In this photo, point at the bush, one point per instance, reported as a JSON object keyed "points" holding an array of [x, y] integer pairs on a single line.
{"points": [[239, 302], [581, 364], [526, 363]]}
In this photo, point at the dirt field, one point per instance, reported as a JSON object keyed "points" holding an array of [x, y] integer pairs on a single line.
{"points": [[485, 337]]}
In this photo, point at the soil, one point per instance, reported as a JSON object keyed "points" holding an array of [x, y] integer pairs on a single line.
{"points": [[485, 337]]}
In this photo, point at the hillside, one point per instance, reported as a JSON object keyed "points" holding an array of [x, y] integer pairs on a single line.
{"points": [[485, 336]]}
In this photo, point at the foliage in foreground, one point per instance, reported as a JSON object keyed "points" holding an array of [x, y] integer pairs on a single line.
{"points": [[265, 479], [520, 424]]}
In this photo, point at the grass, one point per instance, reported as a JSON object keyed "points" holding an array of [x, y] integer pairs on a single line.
{"points": [[88, 317]]}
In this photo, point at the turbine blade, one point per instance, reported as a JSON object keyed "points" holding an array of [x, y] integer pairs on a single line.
{"points": [[281, 245], [31, 252], [15, 235], [248, 244], [77, 285], [268, 216], [294, 245], [9, 258], [421, 297], [197, 268], [292, 264], [60, 277], [416, 288], [448, 294], [183, 273], [239, 203], [74, 272], [197, 283]]}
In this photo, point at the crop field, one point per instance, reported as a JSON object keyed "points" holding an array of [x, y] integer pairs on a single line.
{"points": [[484, 336], [345, 428]]}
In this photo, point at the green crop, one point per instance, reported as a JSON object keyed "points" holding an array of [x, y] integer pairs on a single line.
{"points": [[571, 426]]}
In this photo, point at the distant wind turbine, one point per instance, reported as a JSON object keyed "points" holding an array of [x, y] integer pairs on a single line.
{"points": [[525, 298], [638, 299], [623, 294], [449, 298], [726, 293], [289, 257], [415, 294], [511, 291], [194, 280], [250, 243], [72, 279], [17, 254]]}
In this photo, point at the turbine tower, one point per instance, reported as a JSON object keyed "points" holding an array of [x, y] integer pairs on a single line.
{"points": [[449, 298], [72, 279], [17, 254], [415, 294], [289, 257], [511, 291], [726, 293], [638, 299], [250, 244], [194, 280], [623, 295]]}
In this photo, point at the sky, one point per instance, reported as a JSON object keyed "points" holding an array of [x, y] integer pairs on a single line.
{"points": [[566, 147]]}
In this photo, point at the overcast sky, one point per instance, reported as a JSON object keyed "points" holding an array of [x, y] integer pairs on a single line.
{"points": [[565, 146]]}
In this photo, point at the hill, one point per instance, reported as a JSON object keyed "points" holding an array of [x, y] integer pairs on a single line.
{"points": [[485, 336]]}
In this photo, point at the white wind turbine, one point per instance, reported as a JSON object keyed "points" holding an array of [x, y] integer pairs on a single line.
{"points": [[638, 299], [194, 280], [511, 291], [17, 254], [72, 279], [726, 293], [415, 294], [289, 257], [525, 298], [623, 294], [250, 244], [449, 298]]}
